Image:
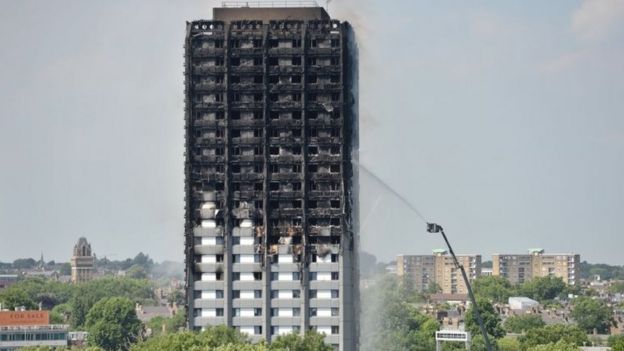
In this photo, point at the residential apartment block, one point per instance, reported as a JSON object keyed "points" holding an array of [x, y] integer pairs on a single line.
{"points": [[520, 268], [271, 185], [439, 268]]}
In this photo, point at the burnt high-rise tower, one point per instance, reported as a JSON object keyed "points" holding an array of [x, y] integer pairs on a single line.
{"points": [[271, 173]]}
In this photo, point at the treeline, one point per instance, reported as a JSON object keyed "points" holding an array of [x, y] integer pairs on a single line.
{"points": [[605, 271]]}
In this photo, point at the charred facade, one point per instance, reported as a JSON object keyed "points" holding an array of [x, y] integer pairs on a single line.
{"points": [[271, 185]]}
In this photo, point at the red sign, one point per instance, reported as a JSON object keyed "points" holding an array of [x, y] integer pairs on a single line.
{"points": [[15, 318]]}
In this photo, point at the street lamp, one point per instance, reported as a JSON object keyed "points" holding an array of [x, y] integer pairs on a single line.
{"points": [[435, 228]]}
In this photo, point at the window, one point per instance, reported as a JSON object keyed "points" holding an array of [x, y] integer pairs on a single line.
{"points": [[335, 43], [257, 97], [257, 275], [219, 312], [296, 294], [296, 186], [334, 275], [296, 168], [257, 43], [258, 186], [312, 78], [273, 61], [274, 150], [257, 61], [312, 61], [235, 115], [235, 61], [274, 186], [335, 329], [296, 43], [259, 204], [335, 61], [274, 169], [296, 61], [234, 43], [296, 204], [313, 150], [257, 312], [295, 79], [335, 203], [296, 115], [234, 79], [257, 115], [312, 43]]}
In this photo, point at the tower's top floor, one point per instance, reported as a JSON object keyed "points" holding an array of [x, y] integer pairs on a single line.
{"points": [[269, 11]]}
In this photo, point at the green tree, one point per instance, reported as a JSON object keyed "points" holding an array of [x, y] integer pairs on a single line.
{"points": [[136, 272], [616, 342], [88, 293], [311, 341], [508, 344], [169, 325], [558, 346], [553, 334], [491, 320], [209, 339], [617, 287], [591, 314], [493, 288], [65, 269], [522, 323], [112, 324], [24, 263], [14, 296], [390, 321], [543, 289]]}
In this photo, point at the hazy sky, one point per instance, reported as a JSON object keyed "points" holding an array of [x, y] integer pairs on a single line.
{"points": [[503, 121]]}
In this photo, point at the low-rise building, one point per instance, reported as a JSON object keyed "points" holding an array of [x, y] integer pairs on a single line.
{"points": [[20, 329], [520, 268], [439, 268]]}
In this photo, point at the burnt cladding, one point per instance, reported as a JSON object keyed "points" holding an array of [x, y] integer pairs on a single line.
{"points": [[271, 189]]}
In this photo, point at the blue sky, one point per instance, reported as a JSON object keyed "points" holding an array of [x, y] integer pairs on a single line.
{"points": [[503, 121]]}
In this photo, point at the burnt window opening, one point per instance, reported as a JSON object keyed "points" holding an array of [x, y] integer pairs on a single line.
{"points": [[334, 168], [273, 79], [296, 133], [312, 132], [219, 186], [220, 168], [334, 203], [296, 204], [236, 133], [334, 79], [258, 150], [235, 97], [312, 61], [218, 44], [296, 150], [234, 79], [312, 115], [257, 114], [257, 275], [335, 43], [312, 78], [258, 186], [275, 133], [258, 79], [312, 97], [274, 223], [234, 43], [334, 186], [257, 61], [296, 221], [312, 204], [313, 150], [236, 169], [274, 169], [296, 97], [334, 221], [295, 79], [312, 221], [236, 204], [273, 43], [220, 115], [313, 43], [257, 133], [334, 150], [258, 169], [235, 187], [219, 151], [257, 43], [296, 61], [312, 185], [313, 168], [235, 61], [296, 168], [274, 115], [235, 115], [335, 61], [273, 61], [335, 97], [296, 43], [274, 205], [335, 132], [274, 186], [218, 97], [296, 115], [219, 79], [259, 204], [273, 97], [236, 151], [274, 150], [296, 186], [219, 61], [257, 97]]}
